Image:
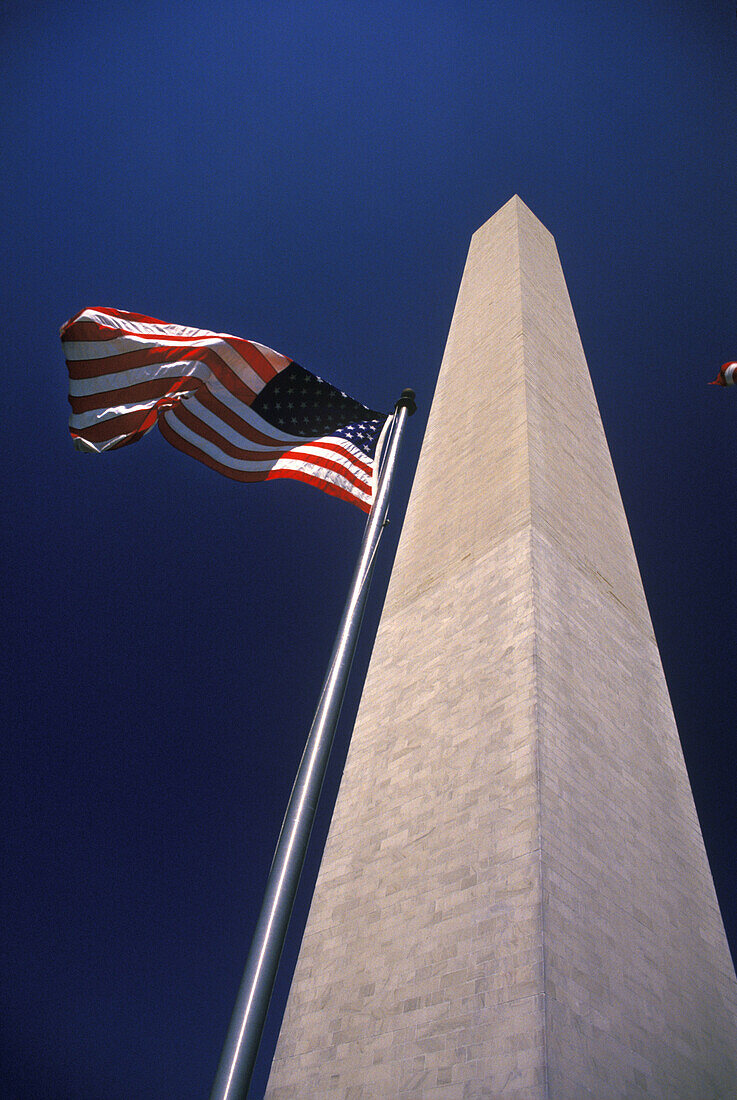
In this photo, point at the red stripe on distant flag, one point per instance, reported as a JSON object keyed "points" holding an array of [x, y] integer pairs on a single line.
{"points": [[727, 375]]}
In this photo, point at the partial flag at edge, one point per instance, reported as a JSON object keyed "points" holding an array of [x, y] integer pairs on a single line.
{"points": [[727, 375]]}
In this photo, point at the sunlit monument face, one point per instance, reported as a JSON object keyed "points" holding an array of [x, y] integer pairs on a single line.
{"points": [[514, 899]]}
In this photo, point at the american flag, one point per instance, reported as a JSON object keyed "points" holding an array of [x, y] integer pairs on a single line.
{"points": [[241, 408], [727, 375]]}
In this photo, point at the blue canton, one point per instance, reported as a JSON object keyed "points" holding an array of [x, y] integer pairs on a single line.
{"points": [[301, 404]]}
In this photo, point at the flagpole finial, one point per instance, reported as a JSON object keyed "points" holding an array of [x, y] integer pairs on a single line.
{"points": [[407, 401]]}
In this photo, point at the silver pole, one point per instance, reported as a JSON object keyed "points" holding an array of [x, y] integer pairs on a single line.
{"points": [[246, 1025]]}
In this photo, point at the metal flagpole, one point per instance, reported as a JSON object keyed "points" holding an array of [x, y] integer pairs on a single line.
{"points": [[244, 1034]]}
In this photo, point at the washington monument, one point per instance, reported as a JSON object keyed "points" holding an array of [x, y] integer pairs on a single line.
{"points": [[514, 901]]}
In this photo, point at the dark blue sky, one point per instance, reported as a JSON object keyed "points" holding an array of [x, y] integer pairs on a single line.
{"points": [[308, 175]]}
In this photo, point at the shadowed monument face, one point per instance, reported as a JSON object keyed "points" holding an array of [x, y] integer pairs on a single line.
{"points": [[514, 900]]}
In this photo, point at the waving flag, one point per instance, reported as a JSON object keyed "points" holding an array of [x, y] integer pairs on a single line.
{"points": [[241, 408], [727, 375]]}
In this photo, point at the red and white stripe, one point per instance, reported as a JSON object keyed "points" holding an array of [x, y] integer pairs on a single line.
{"points": [[727, 375], [128, 372]]}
